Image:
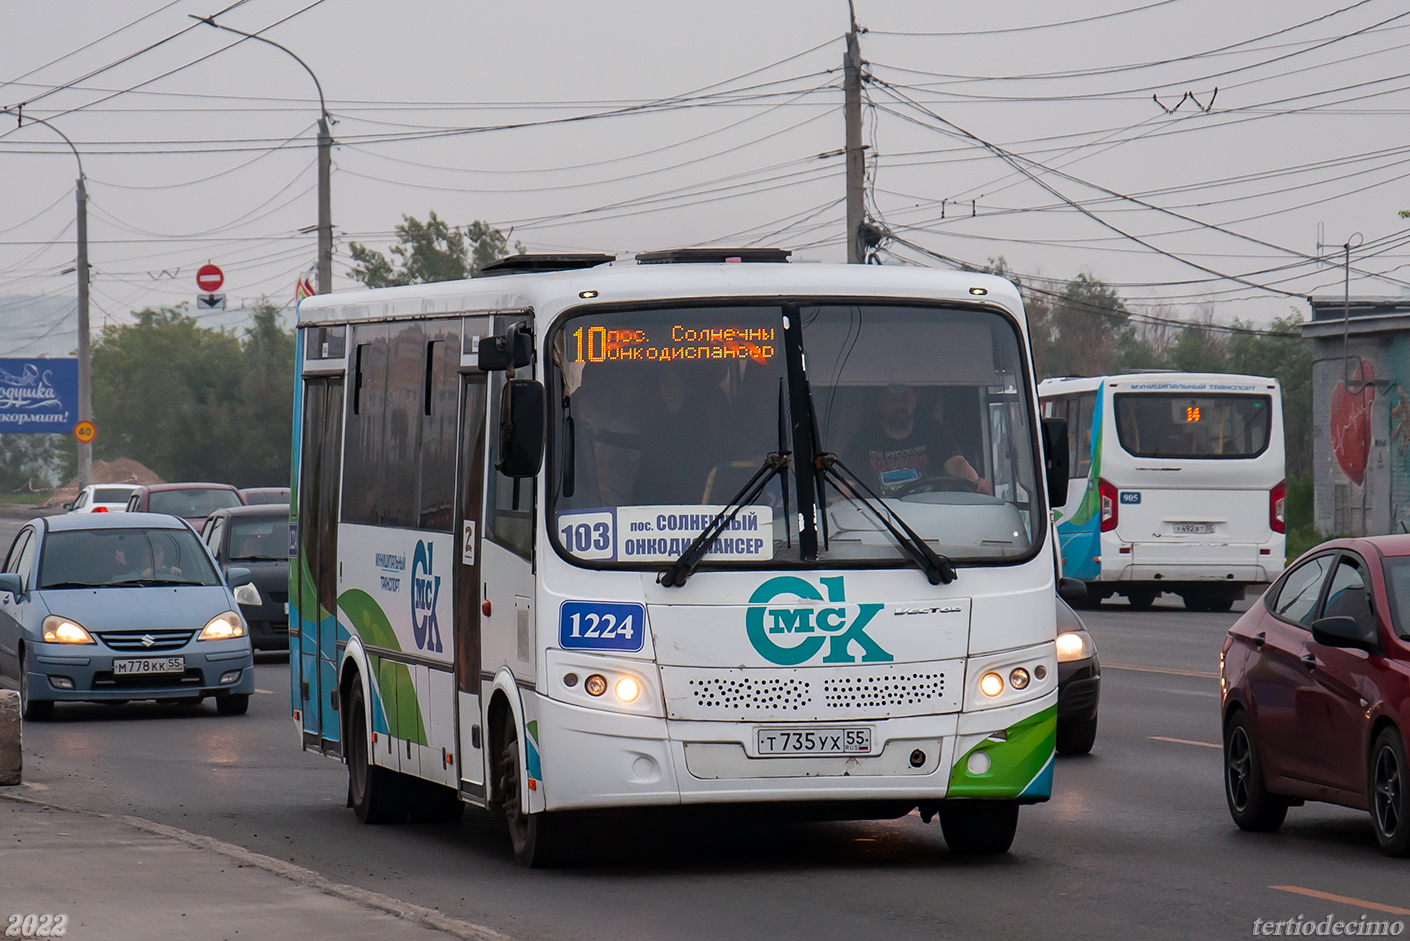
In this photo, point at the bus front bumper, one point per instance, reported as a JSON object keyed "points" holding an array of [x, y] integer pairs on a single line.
{"points": [[597, 759]]}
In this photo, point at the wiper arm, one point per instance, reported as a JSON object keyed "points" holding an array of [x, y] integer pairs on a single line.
{"points": [[149, 582], [675, 576], [938, 569]]}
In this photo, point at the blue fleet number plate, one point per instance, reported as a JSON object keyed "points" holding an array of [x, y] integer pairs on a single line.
{"points": [[601, 625], [779, 743]]}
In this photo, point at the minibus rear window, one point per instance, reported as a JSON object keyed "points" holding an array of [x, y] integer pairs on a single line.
{"points": [[1168, 425]]}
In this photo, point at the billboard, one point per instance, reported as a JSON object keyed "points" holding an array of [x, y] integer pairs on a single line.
{"points": [[38, 395]]}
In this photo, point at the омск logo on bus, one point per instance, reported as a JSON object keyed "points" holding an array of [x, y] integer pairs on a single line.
{"points": [[425, 592], [792, 634]]}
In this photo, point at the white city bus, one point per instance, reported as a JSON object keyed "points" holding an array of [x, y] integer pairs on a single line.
{"points": [[1177, 485], [553, 551]]}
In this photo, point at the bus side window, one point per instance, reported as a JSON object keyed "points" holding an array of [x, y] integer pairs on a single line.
{"points": [[509, 527], [1079, 418]]}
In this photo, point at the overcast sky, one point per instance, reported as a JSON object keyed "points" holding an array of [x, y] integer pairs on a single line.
{"points": [[215, 162]]}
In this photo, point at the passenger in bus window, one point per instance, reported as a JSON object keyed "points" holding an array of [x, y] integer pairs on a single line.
{"points": [[615, 416], [686, 434], [900, 447]]}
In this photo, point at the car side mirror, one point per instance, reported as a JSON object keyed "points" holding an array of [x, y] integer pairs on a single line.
{"points": [[521, 428], [12, 582], [1341, 631], [1056, 465], [237, 576], [1072, 590], [68, 506]]}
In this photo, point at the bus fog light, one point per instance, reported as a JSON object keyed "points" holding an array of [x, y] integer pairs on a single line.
{"points": [[628, 689], [595, 685], [1018, 678], [1040, 671], [991, 684], [978, 762], [570, 679]]}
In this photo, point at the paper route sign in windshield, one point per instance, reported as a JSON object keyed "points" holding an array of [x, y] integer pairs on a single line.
{"points": [[662, 533]]}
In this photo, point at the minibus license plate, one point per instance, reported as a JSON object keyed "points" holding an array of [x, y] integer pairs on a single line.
{"points": [[775, 743], [154, 665], [1194, 529]]}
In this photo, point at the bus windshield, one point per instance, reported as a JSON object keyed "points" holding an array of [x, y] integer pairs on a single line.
{"points": [[665, 414], [1193, 426]]}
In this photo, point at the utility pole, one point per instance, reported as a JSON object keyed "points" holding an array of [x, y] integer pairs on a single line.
{"points": [[856, 159], [325, 160], [85, 362]]}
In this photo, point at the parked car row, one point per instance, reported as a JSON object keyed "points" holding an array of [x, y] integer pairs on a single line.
{"points": [[187, 500]]}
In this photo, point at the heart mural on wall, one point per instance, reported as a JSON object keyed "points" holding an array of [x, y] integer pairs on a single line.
{"points": [[1350, 422]]}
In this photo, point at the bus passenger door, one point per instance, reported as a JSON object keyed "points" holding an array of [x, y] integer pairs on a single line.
{"points": [[319, 475], [470, 473]]}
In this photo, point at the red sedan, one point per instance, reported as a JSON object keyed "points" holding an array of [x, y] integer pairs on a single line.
{"points": [[1316, 690]]}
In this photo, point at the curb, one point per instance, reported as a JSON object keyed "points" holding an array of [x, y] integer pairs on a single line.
{"points": [[418, 914]]}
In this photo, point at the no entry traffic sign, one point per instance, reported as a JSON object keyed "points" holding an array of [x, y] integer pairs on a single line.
{"points": [[209, 278]]}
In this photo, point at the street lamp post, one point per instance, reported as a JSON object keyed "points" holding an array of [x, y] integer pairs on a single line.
{"points": [[325, 160], [85, 369]]}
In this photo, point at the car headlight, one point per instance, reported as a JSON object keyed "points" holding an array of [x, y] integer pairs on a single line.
{"points": [[248, 594], [225, 626], [1074, 645], [59, 630]]}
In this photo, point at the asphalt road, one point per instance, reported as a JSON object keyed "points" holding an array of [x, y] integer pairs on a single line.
{"points": [[1136, 841]]}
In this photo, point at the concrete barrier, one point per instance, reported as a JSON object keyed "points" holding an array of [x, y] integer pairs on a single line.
{"points": [[11, 752]]}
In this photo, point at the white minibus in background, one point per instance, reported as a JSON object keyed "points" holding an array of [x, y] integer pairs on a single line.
{"points": [[1177, 485], [705, 528]]}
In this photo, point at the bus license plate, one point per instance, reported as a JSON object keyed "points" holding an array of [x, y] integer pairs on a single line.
{"points": [[1194, 529], [154, 665], [773, 743]]}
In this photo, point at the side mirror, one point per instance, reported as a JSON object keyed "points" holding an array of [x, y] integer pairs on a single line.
{"points": [[237, 576], [1056, 466], [1072, 590], [521, 428], [1341, 631], [12, 582], [68, 506], [514, 350]]}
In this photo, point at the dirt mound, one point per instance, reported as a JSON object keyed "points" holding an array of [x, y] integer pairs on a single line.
{"points": [[124, 470]]}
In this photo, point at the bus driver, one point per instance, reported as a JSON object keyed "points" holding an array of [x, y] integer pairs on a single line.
{"points": [[899, 448]]}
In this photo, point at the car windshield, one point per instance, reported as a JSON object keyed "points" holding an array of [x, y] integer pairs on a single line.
{"points": [[191, 504], [259, 539], [111, 494], [672, 411], [266, 497], [105, 558], [1193, 426], [1398, 587]]}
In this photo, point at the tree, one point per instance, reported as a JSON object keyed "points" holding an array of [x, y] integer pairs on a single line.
{"points": [[193, 403], [431, 251]]}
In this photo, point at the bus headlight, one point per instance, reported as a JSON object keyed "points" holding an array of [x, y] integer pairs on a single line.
{"points": [[628, 689], [1073, 645], [595, 685], [1018, 678], [991, 684]]}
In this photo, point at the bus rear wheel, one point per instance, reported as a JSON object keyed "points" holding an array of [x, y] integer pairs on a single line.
{"points": [[535, 837], [374, 793], [979, 828]]}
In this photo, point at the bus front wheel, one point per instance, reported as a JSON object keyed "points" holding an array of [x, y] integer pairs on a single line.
{"points": [[979, 828], [535, 837], [375, 793]]}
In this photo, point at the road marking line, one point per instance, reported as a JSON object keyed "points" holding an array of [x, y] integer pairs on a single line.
{"points": [[1171, 672], [1344, 899], [1184, 741], [267, 692], [417, 914]]}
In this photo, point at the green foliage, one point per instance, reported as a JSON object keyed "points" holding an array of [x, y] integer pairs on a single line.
{"points": [[431, 251], [33, 460], [193, 403]]}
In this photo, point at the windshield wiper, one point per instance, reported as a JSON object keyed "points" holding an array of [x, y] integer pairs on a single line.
{"points": [[63, 585], [679, 570], [938, 569], [149, 582], [259, 558]]}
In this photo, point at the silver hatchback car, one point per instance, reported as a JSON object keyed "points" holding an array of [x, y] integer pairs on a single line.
{"points": [[117, 607]]}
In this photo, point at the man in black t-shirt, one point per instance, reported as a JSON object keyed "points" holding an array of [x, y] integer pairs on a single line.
{"points": [[900, 447]]}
